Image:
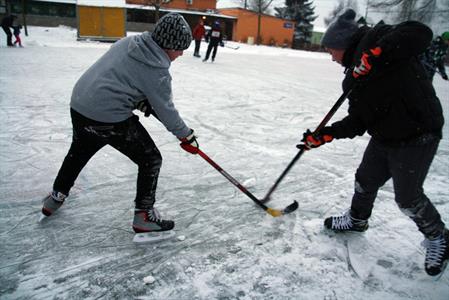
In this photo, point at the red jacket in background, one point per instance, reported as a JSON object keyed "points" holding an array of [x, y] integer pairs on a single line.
{"points": [[198, 32]]}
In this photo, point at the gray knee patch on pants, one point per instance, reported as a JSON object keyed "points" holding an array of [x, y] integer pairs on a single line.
{"points": [[416, 208], [408, 211], [358, 187]]}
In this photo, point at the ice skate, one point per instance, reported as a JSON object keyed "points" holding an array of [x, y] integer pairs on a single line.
{"points": [[51, 203], [437, 254], [150, 227], [346, 223]]}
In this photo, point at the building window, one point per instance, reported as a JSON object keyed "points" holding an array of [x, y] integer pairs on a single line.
{"points": [[45, 9], [189, 2]]}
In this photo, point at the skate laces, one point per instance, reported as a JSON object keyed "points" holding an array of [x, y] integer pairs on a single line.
{"points": [[154, 215], [57, 196], [342, 222], [435, 250]]}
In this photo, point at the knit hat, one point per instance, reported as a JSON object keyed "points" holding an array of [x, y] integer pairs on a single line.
{"points": [[338, 35], [172, 32], [445, 36]]}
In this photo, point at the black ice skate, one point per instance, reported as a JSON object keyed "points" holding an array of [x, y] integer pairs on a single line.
{"points": [[437, 254], [150, 227], [52, 202], [346, 223]]}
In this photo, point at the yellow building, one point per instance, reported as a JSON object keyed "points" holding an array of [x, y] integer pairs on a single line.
{"points": [[103, 20]]}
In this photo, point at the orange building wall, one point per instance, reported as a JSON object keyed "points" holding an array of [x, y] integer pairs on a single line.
{"points": [[182, 4], [101, 22], [272, 29]]}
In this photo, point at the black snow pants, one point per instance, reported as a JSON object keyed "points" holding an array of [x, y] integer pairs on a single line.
{"points": [[407, 165], [197, 47], [8, 35], [129, 137], [209, 49]]}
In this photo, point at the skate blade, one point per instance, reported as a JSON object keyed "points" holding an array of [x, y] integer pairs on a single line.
{"points": [[438, 277], [151, 237], [42, 217]]}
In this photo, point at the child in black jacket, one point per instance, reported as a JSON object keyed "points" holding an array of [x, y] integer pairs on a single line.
{"points": [[393, 100]]}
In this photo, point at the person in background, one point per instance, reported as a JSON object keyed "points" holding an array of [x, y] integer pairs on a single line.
{"points": [[215, 38], [434, 57], [396, 104], [132, 74], [17, 35], [7, 24], [198, 33]]}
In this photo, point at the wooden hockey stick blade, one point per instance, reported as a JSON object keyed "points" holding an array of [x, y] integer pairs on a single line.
{"points": [[277, 213]]}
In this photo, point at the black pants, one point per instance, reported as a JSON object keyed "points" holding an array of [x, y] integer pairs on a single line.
{"points": [[8, 35], [129, 137], [209, 49], [407, 166], [197, 47]]}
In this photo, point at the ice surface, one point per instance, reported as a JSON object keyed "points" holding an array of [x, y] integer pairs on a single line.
{"points": [[249, 109]]}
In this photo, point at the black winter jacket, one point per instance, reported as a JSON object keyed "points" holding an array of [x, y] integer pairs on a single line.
{"points": [[7, 21], [214, 36], [396, 103]]}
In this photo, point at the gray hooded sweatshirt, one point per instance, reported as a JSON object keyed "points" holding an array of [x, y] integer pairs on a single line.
{"points": [[133, 69]]}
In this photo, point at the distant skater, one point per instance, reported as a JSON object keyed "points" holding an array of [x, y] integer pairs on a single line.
{"points": [[215, 38], [17, 35], [7, 24], [198, 33]]}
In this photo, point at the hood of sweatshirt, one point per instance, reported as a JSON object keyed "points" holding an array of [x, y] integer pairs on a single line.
{"points": [[145, 50]]}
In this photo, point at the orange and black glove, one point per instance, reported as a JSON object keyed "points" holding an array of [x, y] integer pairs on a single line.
{"points": [[366, 62], [314, 140], [189, 143]]}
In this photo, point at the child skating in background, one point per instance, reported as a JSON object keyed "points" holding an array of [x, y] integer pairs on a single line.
{"points": [[17, 35]]}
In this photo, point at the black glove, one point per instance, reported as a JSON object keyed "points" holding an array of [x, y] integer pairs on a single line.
{"points": [[444, 76], [145, 107], [314, 140], [221, 44]]}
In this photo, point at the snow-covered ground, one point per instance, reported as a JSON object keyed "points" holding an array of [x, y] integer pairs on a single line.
{"points": [[249, 110]]}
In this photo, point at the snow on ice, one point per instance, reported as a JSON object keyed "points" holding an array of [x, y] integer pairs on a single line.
{"points": [[149, 279], [249, 109]]}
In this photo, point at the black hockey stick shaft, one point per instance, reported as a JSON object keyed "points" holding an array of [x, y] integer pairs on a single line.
{"points": [[323, 123], [432, 67], [271, 211]]}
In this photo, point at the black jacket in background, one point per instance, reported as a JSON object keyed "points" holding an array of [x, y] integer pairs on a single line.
{"points": [[397, 102], [214, 36], [8, 21]]}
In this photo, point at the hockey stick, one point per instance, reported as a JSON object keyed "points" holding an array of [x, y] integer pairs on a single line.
{"points": [[301, 151], [233, 48], [273, 212], [432, 67]]}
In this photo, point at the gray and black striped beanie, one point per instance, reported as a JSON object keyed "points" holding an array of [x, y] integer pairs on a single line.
{"points": [[172, 32]]}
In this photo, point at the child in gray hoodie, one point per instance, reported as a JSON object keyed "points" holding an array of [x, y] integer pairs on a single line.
{"points": [[132, 74]]}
